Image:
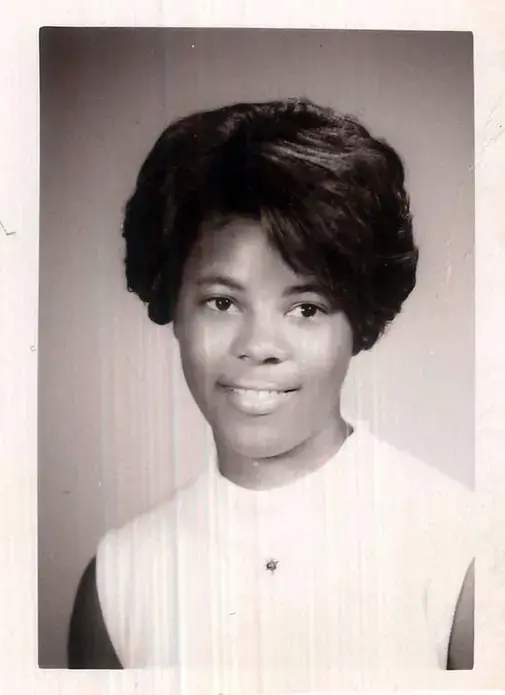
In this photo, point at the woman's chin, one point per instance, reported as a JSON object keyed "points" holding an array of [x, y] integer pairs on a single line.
{"points": [[258, 448]]}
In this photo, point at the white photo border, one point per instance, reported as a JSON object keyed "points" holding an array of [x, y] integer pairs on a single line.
{"points": [[19, 217]]}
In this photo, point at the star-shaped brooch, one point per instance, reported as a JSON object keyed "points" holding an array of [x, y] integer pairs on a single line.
{"points": [[271, 565]]}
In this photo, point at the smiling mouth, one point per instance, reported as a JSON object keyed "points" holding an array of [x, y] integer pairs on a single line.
{"points": [[258, 401]]}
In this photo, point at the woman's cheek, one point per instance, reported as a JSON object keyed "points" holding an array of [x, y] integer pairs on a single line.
{"points": [[325, 361], [317, 346], [210, 344]]}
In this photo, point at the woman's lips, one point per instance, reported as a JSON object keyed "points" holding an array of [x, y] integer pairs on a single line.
{"points": [[258, 401]]}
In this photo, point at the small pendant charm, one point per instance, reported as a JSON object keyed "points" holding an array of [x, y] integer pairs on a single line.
{"points": [[271, 565]]}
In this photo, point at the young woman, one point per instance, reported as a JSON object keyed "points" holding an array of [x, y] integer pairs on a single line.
{"points": [[277, 239]]}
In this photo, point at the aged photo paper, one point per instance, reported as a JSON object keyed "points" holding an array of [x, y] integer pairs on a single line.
{"points": [[84, 97]]}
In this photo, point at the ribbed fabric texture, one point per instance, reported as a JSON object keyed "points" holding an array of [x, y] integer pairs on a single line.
{"points": [[371, 552]]}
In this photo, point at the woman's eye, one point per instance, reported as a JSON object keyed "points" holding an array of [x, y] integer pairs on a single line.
{"points": [[306, 311], [221, 304]]}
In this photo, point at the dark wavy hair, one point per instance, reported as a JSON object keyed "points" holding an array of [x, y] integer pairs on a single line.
{"points": [[330, 197]]}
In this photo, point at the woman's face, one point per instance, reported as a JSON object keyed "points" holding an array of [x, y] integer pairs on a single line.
{"points": [[263, 352]]}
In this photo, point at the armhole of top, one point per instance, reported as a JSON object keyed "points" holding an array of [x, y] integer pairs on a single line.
{"points": [[461, 652], [111, 576], [88, 642], [459, 553]]}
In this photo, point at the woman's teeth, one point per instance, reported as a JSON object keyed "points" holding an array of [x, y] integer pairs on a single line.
{"points": [[257, 392], [258, 401]]}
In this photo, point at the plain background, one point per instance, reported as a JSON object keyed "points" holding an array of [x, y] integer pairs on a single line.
{"points": [[114, 416]]}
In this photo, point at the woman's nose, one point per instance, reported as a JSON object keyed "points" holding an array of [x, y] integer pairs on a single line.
{"points": [[261, 340]]}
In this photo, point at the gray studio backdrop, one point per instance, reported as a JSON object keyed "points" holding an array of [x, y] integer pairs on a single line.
{"points": [[114, 413]]}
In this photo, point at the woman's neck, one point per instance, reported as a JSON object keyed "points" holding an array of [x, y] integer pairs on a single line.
{"points": [[286, 468]]}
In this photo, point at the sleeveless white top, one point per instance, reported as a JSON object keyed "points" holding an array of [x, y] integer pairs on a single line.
{"points": [[372, 550]]}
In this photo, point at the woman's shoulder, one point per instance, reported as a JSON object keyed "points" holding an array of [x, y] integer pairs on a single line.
{"points": [[412, 492], [440, 507], [149, 528], [136, 563]]}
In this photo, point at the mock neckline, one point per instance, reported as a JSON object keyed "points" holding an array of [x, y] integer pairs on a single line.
{"points": [[289, 490]]}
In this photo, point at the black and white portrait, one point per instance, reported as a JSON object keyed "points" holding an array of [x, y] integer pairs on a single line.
{"points": [[256, 345]]}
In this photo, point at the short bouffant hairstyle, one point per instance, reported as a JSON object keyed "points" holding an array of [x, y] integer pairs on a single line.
{"points": [[329, 196]]}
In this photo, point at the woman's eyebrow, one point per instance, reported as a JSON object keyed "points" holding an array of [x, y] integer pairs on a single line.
{"points": [[233, 284], [220, 280], [303, 288]]}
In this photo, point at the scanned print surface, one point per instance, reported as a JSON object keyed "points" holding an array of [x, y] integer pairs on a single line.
{"points": [[281, 406], [251, 371]]}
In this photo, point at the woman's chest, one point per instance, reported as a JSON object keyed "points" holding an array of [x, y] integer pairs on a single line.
{"points": [[309, 590]]}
